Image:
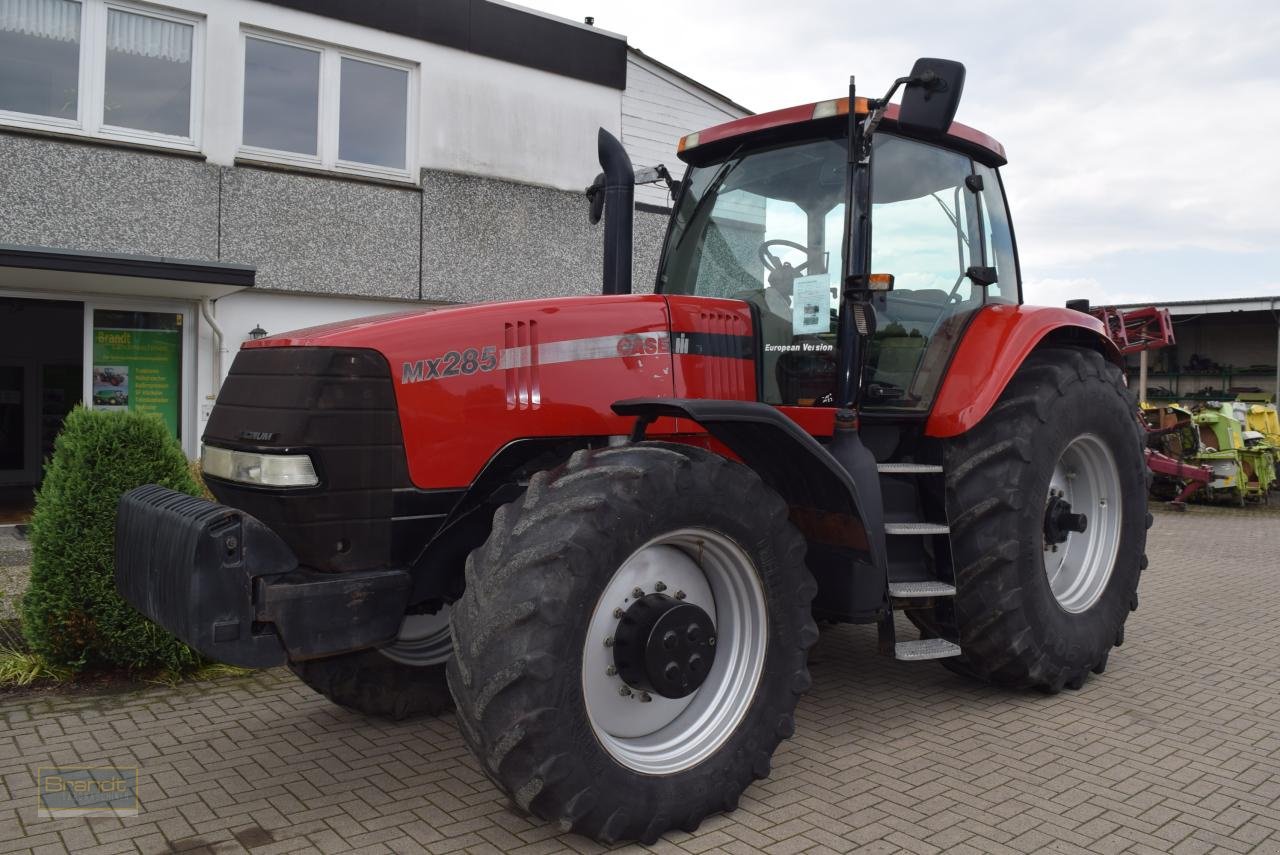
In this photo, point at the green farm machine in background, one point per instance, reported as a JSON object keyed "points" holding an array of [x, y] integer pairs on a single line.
{"points": [[1221, 450], [1243, 462]]}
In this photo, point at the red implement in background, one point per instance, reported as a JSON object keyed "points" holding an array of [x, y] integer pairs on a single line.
{"points": [[1194, 476], [1136, 330]]}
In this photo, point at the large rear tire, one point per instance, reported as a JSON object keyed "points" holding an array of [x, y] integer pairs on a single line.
{"points": [[405, 679], [1039, 604], [561, 716]]}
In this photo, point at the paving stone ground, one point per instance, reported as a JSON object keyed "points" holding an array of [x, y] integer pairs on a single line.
{"points": [[1175, 749]]}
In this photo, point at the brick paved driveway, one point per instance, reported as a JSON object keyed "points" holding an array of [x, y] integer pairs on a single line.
{"points": [[1175, 749]]}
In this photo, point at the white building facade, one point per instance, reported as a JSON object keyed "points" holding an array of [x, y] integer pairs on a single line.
{"points": [[172, 172]]}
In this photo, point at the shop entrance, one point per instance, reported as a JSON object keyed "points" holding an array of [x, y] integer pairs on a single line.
{"points": [[41, 379]]}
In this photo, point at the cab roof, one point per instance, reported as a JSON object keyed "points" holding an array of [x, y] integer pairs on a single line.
{"points": [[711, 142]]}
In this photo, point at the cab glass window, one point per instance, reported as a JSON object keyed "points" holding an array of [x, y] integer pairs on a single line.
{"points": [[927, 231], [766, 227]]}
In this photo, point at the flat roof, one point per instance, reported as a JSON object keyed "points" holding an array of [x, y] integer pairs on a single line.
{"points": [[1206, 307], [42, 268]]}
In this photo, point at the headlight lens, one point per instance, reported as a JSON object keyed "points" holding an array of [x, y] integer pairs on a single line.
{"points": [[263, 470]]}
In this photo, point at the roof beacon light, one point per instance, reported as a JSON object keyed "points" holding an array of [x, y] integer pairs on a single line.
{"points": [[827, 109]]}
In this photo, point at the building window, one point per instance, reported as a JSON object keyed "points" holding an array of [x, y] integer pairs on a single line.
{"points": [[40, 58], [148, 74], [372, 113], [325, 107], [101, 68], [281, 97]]}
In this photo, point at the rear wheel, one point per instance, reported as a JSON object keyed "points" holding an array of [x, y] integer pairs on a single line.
{"points": [[404, 679], [1047, 501], [632, 641]]}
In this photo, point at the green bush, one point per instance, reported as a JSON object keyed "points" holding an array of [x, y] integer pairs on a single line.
{"points": [[72, 615]]}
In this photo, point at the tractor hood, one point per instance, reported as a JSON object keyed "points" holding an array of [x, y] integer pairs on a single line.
{"points": [[469, 380]]}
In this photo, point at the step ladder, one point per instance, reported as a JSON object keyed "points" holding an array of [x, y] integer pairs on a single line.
{"points": [[920, 571]]}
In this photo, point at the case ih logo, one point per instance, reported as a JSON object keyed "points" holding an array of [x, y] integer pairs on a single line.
{"points": [[637, 345]]}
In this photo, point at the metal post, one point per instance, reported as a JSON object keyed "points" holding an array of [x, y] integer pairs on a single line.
{"points": [[857, 318], [1142, 375]]}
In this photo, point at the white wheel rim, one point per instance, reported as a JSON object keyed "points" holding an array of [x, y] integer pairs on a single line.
{"points": [[1086, 476], [423, 640], [666, 735]]}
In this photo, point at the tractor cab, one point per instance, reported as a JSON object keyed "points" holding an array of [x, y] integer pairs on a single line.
{"points": [[761, 218]]}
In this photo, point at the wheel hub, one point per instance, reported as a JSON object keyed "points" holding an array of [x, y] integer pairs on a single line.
{"points": [[1080, 551], [665, 646], [1060, 522]]}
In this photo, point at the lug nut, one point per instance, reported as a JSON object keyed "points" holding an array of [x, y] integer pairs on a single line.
{"points": [[680, 595], [618, 613], [661, 586], [637, 592], [645, 697], [608, 642], [711, 641], [624, 691], [612, 670]]}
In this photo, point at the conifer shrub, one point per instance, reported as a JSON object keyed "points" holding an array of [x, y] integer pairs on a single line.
{"points": [[72, 615]]}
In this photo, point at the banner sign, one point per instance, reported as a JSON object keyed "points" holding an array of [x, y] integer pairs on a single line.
{"points": [[137, 364]]}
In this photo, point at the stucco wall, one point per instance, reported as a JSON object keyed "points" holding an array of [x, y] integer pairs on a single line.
{"points": [[88, 197], [495, 240], [462, 238], [321, 235]]}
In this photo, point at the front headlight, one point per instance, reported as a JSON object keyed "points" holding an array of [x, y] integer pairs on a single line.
{"points": [[263, 470]]}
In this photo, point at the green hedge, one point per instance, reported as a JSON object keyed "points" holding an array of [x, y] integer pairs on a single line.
{"points": [[71, 614]]}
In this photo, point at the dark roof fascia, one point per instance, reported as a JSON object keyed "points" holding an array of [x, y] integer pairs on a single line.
{"points": [[495, 30], [117, 264]]}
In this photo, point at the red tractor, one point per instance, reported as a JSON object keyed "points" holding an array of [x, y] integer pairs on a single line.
{"points": [[605, 527]]}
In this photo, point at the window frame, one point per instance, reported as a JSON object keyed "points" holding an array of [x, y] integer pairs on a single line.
{"points": [[329, 110], [90, 120]]}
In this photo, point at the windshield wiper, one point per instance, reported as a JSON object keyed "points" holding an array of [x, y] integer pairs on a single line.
{"points": [[955, 221], [713, 190]]}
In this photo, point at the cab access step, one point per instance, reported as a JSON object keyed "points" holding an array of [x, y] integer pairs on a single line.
{"points": [[920, 573]]}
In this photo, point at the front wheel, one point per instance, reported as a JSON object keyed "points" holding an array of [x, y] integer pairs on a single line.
{"points": [[632, 641], [1047, 501]]}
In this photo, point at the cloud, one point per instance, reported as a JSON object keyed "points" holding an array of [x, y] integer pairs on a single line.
{"points": [[1056, 292], [1137, 131]]}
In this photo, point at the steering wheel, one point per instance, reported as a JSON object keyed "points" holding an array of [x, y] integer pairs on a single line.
{"points": [[772, 263]]}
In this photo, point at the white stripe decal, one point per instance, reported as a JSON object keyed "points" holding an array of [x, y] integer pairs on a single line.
{"points": [[583, 349]]}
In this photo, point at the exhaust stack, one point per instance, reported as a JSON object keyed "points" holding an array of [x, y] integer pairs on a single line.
{"points": [[617, 196]]}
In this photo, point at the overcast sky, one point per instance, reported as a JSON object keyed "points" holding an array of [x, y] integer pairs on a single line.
{"points": [[1143, 137]]}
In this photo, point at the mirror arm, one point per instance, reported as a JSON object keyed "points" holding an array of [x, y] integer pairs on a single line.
{"points": [[878, 107]]}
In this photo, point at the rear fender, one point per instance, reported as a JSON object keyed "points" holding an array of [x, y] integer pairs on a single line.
{"points": [[993, 348], [836, 505]]}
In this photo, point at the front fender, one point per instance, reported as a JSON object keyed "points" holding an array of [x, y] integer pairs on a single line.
{"points": [[833, 490], [994, 346]]}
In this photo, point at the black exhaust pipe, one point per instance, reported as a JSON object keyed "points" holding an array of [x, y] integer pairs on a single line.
{"points": [[619, 197]]}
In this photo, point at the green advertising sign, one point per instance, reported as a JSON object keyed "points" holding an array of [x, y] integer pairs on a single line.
{"points": [[136, 368]]}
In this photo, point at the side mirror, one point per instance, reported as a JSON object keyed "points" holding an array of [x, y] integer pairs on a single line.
{"points": [[932, 96]]}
